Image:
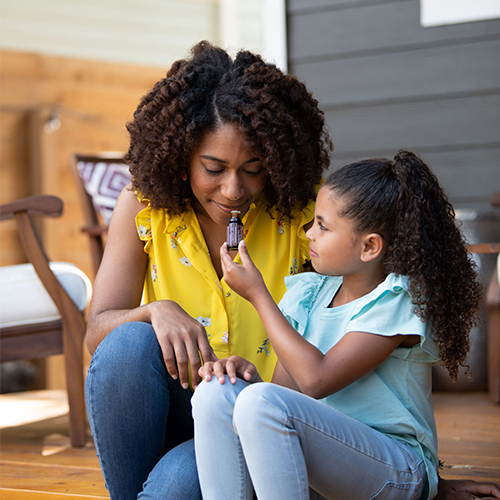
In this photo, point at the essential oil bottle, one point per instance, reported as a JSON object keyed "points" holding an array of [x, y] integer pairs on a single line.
{"points": [[234, 230]]}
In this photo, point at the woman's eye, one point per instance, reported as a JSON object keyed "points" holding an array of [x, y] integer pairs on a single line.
{"points": [[212, 172], [254, 174]]}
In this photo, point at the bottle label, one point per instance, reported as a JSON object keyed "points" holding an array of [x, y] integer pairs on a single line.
{"points": [[234, 235]]}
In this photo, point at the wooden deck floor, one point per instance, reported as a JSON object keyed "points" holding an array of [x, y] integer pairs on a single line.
{"points": [[37, 463]]}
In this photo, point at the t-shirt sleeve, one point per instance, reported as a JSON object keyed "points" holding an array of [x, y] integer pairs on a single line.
{"points": [[302, 290], [388, 310]]}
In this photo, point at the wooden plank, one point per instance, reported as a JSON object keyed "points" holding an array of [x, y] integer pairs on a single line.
{"points": [[457, 170], [325, 33], [437, 71], [417, 125], [52, 478], [15, 494], [469, 435]]}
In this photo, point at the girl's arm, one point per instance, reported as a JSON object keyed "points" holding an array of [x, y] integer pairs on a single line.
{"points": [[117, 295], [281, 377], [315, 374]]}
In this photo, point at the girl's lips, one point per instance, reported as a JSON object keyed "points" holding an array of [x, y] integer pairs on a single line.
{"points": [[312, 253]]}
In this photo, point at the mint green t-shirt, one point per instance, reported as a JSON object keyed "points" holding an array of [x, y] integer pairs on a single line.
{"points": [[394, 398]]}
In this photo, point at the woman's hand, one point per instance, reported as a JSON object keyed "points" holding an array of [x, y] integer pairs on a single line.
{"points": [[462, 489], [245, 279], [234, 367], [182, 339]]}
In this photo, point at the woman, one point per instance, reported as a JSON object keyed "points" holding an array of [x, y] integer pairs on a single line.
{"points": [[212, 137], [215, 135]]}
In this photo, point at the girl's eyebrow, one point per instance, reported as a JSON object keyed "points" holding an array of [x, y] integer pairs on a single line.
{"points": [[218, 160]]}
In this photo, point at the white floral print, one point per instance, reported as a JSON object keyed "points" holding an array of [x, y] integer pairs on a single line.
{"points": [[204, 321], [154, 273], [185, 261], [143, 231], [225, 338]]}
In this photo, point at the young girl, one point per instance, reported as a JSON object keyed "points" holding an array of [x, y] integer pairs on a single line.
{"points": [[350, 411]]}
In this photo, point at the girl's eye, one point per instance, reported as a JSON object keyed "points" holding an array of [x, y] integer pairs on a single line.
{"points": [[322, 228]]}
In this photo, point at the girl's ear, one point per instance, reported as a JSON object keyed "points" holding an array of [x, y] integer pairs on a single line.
{"points": [[373, 244]]}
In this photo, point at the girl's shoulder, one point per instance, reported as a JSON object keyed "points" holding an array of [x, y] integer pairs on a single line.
{"points": [[305, 289]]}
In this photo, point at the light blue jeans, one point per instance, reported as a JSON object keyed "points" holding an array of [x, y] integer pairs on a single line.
{"points": [[140, 419], [282, 442]]}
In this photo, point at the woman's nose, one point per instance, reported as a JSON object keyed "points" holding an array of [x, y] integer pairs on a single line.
{"points": [[232, 188]]}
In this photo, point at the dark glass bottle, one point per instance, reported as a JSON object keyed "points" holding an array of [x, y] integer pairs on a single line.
{"points": [[234, 230]]}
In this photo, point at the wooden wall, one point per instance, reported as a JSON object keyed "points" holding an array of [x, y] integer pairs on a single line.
{"points": [[387, 83], [93, 101], [145, 32]]}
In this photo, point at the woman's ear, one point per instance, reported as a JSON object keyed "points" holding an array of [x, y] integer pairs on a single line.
{"points": [[373, 245]]}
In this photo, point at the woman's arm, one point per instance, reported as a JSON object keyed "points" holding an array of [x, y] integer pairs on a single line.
{"points": [[315, 374], [117, 295]]}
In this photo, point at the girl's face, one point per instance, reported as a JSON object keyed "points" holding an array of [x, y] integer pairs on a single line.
{"points": [[225, 175], [335, 246]]}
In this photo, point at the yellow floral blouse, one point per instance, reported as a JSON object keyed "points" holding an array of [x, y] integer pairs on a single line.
{"points": [[180, 269]]}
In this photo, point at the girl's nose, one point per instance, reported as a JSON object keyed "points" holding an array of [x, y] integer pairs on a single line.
{"points": [[309, 233], [232, 188]]}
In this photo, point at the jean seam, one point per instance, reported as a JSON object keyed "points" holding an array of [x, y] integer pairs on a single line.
{"points": [[392, 466]]}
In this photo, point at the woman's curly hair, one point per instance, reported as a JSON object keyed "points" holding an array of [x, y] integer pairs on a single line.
{"points": [[277, 116], [403, 201]]}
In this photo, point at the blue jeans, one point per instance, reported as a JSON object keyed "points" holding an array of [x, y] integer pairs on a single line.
{"points": [[140, 419], [281, 442]]}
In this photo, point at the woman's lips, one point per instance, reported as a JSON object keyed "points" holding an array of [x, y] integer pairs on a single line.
{"points": [[229, 208]]}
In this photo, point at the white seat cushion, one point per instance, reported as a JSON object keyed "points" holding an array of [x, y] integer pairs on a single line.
{"points": [[24, 300]]}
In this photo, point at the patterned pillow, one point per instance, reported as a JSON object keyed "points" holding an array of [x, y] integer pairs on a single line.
{"points": [[104, 182]]}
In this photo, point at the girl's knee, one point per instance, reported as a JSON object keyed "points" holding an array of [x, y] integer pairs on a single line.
{"points": [[257, 404], [212, 398]]}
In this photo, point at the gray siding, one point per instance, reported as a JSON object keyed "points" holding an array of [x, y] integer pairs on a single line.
{"points": [[387, 83]]}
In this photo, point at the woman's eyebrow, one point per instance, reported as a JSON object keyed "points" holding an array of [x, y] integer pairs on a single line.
{"points": [[213, 158], [218, 160]]}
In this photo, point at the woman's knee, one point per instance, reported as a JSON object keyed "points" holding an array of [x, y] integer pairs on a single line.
{"points": [[128, 341], [127, 352]]}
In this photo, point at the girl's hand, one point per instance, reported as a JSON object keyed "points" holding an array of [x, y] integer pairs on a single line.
{"points": [[234, 367], [245, 279], [182, 339]]}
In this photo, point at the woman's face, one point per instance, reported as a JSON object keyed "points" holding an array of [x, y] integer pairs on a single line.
{"points": [[225, 175]]}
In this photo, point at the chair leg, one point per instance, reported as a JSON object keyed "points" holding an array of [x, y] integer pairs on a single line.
{"points": [[74, 332]]}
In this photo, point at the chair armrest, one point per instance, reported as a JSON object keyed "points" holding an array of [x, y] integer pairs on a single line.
{"points": [[94, 230], [35, 205], [484, 248]]}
